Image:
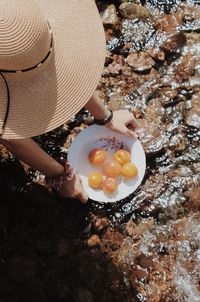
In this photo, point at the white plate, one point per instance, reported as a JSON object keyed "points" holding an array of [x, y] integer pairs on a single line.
{"points": [[98, 136]]}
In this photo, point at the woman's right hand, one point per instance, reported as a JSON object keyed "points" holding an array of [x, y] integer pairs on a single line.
{"points": [[73, 189]]}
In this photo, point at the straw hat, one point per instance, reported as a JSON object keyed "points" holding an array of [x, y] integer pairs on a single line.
{"points": [[58, 50]]}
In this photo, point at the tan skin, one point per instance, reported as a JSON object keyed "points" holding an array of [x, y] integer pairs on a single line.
{"points": [[30, 153]]}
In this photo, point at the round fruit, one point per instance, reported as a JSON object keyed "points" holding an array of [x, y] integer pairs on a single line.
{"points": [[97, 156], [112, 168], [109, 185], [129, 170], [95, 179], [122, 156]]}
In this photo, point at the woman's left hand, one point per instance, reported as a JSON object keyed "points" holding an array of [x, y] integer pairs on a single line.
{"points": [[124, 122]]}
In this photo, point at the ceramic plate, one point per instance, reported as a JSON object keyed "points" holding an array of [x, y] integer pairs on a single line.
{"points": [[101, 137]]}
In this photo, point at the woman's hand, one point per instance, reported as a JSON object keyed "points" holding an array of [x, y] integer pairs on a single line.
{"points": [[73, 189], [30, 153], [123, 121]]}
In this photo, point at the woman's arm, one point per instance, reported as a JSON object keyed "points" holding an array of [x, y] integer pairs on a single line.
{"points": [[122, 120], [30, 153], [96, 107]]}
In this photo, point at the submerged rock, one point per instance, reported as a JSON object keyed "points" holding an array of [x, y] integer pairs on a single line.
{"points": [[174, 43], [109, 16], [186, 68], [140, 62], [192, 118], [153, 137], [178, 142], [133, 11], [93, 241], [169, 23]]}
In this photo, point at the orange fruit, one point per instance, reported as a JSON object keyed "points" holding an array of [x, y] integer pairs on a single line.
{"points": [[112, 168], [122, 156], [129, 170], [95, 179], [109, 185], [97, 156]]}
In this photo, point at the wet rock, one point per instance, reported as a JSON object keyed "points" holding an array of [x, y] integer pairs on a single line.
{"points": [[139, 272], [112, 239], [115, 102], [114, 68], [140, 62], [196, 167], [168, 96], [191, 18], [132, 229], [180, 172], [186, 68], [153, 187], [145, 261], [109, 34], [109, 16], [99, 224], [169, 23], [108, 58], [93, 241], [192, 118], [156, 53], [193, 195], [152, 137], [178, 142], [133, 11], [174, 43]]}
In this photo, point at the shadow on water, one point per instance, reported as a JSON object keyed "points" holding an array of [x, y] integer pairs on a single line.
{"points": [[44, 255]]}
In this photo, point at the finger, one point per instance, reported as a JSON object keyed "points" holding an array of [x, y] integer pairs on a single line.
{"points": [[83, 197], [126, 131], [132, 133]]}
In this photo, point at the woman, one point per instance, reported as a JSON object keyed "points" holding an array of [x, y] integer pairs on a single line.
{"points": [[51, 58]]}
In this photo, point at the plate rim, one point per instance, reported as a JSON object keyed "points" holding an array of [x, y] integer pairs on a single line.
{"points": [[100, 130]]}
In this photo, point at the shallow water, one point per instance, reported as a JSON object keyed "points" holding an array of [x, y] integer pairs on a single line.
{"points": [[160, 252], [165, 209]]}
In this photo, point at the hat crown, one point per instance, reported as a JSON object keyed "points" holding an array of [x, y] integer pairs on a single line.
{"points": [[24, 34]]}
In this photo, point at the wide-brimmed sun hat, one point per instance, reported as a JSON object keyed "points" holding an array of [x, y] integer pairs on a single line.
{"points": [[51, 58]]}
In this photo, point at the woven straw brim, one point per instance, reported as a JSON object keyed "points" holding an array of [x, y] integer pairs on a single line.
{"points": [[46, 97]]}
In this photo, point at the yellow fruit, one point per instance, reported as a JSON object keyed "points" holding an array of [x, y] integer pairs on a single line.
{"points": [[95, 179], [129, 170], [122, 156], [97, 156], [109, 185], [112, 169]]}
